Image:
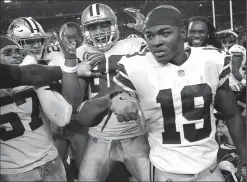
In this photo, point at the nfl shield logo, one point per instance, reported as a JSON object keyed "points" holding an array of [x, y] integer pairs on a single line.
{"points": [[181, 73]]}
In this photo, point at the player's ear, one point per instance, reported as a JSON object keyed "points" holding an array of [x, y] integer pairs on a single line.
{"points": [[183, 33]]}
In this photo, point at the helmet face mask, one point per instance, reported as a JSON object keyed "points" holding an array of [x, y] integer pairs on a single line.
{"points": [[33, 46], [100, 28], [29, 34]]}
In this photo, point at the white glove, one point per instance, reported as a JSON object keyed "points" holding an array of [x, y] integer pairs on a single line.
{"points": [[91, 60]]}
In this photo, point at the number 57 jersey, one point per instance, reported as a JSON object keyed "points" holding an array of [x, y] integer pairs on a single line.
{"points": [[25, 138], [177, 102]]}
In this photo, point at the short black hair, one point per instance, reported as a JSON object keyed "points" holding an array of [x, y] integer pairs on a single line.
{"points": [[213, 38]]}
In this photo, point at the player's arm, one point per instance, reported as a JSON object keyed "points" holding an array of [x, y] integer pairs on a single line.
{"points": [[236, 64], [226, 103], [74, 84], [13, 76], [55, 107], [39, 74], [73, 90], [91, 112]]}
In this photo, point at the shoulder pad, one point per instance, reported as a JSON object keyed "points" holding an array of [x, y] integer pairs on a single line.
{"points": [[212, 49], [133, 40]]}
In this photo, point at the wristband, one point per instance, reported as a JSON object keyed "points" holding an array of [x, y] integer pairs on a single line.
{"points": [[70, 69]]}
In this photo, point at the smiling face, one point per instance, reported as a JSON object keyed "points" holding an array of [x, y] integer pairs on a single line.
{"points": [[197, 33], [11, 54], [165, 42], [100, 31]]}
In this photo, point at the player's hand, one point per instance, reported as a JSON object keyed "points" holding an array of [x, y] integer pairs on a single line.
{"points": [[89, 62], [243, 105], [125, 107], [68, 45], [241, 172], [139, 19]]}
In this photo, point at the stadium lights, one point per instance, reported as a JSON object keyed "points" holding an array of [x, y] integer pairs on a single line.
{"points": [[7, 1]]}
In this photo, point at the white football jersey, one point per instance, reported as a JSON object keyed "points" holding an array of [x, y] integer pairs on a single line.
{"points": [[25, 138], [177, 102], [239, 51], [114, 129], [55, 54]]}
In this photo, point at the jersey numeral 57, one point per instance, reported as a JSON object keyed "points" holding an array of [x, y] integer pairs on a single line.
{"points": [[16, 123]]}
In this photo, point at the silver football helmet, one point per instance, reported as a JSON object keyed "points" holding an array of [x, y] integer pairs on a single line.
{"points": [[29, 34], [99, 13]]}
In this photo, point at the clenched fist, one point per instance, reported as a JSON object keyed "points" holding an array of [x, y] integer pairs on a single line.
{"points": [[127, 108]]}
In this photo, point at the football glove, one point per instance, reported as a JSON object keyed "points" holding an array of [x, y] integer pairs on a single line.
{"points": [[139, 19], [127, 108], [90, 61], [68, 46]]}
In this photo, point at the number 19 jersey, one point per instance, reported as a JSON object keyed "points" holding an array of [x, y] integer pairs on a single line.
{"points": [[177, 102]]}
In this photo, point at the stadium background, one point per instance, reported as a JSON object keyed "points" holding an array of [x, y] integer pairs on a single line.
{"points": [[54, 13]]}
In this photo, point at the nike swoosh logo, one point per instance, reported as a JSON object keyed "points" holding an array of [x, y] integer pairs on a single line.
{"points": [[122, 98]]}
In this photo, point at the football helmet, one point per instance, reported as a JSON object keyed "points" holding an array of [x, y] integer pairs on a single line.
{"points": [[132, 36], [99, 13], [29, 34]]}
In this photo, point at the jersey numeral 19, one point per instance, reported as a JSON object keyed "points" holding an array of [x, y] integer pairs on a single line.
{"points": [[189, 112]]}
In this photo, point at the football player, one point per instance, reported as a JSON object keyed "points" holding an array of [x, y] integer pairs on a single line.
{"points": [[29, 34], [115, 141], [201, 32], [177, 94], [74, 135], [13, 76], [25, 115]]}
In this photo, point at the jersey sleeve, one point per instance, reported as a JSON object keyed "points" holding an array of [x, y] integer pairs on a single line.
{"points": [[141, 46], [122, 77]]}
